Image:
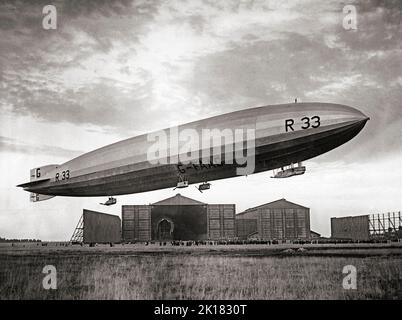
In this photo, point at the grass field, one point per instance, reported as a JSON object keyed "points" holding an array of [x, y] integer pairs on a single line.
{"points": [[207, 272]]}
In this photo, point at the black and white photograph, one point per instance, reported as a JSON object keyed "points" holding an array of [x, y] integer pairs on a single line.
{"points": [[218, 151]]}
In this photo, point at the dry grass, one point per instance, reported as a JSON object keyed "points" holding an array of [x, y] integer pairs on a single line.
{"points": [[195, 274]]}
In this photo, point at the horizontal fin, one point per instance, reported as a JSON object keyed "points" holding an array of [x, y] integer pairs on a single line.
{"points": [[32, 183], [35, 197]]}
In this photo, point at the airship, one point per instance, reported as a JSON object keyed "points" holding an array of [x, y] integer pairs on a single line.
{"points": [[281, 138]]}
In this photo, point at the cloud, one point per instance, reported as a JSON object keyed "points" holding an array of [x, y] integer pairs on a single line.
{"points": [[77, 63], [14, 145]]}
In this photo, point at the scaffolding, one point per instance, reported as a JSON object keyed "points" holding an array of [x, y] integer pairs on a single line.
{"points": [[382, 224], [78, 234]]}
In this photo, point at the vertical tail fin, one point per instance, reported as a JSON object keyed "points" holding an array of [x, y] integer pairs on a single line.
{"points": [[43, 172], [35, 197]]}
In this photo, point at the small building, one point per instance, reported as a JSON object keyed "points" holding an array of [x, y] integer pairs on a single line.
{"points": [[314, 235], [277, 220]]}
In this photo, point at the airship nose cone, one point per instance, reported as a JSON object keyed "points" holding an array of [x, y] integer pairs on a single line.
{"points": [[361, 118], [346, 114], [359, 115]]}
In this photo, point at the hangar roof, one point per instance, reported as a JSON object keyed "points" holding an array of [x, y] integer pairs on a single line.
{"points": [[178, 200], [278, 204]]}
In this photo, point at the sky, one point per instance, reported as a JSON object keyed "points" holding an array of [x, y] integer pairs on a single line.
{"points": [[115, 69]]}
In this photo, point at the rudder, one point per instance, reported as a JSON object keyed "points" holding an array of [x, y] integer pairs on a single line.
{"points": [[35, 197]]}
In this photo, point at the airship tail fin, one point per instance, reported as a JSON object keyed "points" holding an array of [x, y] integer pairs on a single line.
{"points": [[42, 172], [35, 197]]}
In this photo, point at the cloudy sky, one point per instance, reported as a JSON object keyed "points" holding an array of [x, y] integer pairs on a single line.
{"points": [[115, 69]]}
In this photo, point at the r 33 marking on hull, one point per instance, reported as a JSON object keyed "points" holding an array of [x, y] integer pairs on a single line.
{"points": [[64, 175], [313, 122]]}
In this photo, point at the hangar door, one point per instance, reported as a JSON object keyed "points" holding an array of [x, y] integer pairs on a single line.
{"points": [[136, 222], [221, 221]]}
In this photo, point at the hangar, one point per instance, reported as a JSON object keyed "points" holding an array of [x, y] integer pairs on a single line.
{"points": [[178, 218], [182, 218], [277, 220]]}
